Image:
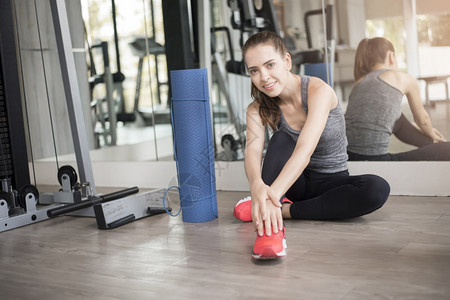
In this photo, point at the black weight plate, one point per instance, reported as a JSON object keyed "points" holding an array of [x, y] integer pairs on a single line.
{"points": [[69, 171]]}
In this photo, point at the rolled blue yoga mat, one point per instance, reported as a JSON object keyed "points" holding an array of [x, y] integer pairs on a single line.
{"points": [[194, 149]]}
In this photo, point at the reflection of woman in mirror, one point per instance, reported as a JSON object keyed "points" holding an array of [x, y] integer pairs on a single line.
{"points": [[230, 147], [306, 159], [374, 109]]}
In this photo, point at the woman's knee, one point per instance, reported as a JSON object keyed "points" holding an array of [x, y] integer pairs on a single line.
{"points": [[281, 146], [377, 191], [278, 153], [281, 138]]}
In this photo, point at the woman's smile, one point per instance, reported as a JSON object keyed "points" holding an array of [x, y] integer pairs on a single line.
{"points": [[269, 86]]}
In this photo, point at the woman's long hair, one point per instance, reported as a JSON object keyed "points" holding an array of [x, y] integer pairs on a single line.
{"points": [[269, 110], [369, 53]]}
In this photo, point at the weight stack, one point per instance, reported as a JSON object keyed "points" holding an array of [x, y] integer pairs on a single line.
{"points": [[13, 148], [194, 149], [6, 166]]}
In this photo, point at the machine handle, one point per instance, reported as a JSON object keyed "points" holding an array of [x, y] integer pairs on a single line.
{"points": [[95, 200]]}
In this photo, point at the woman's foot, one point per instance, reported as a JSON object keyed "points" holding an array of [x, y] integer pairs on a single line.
{"points": [[243, 209], [270, 247]]}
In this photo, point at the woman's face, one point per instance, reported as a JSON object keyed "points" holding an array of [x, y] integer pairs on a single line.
{"points": [[268, 70]]}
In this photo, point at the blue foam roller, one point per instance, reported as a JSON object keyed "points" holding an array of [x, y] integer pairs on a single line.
{"points": [[194, 148], [319, 70]]}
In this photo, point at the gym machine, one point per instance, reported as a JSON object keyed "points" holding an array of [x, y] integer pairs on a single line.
{"points": [[106, 116], [316, 60], [114, 201], [248, 18], [145, 47], [105, 120], [19, 207], [114, 98], [18, 198]]}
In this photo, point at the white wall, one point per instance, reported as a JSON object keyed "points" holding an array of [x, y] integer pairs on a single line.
{"points": [[405, 178], [380, 9], [434, 61]]}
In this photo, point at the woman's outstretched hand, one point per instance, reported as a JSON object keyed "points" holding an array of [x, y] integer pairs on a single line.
{"points": [[266, 212]]}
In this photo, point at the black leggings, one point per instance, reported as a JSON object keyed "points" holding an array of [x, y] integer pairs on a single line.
{"points": [[324, 196], [409, 134]]}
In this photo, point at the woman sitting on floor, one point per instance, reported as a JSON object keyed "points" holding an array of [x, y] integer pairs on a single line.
{"points": [[374, 109]]}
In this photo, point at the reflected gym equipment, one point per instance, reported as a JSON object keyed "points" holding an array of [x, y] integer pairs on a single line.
{"points": [[320, 62], [104, 119], [143, 50], [250, 18]]}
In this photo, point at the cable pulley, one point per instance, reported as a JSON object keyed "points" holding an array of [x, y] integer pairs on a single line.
{"points": [[25, 192], [70, 172]]}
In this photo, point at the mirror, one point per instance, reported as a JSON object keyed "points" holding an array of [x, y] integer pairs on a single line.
{"points": [[421, 59], [134, 33], [308, 33], [122, 80], [149, 135]]}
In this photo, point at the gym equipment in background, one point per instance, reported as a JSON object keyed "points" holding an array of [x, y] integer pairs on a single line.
{"points": [[13, 155], [19, 207], [110, 210], [319, 68], [230, 74], [193, 141], [249, 17], [219, 71], [104, 118], [142, 50], [117, 79], [18, 198], [67, 178], [90, 201], [112, 214]]}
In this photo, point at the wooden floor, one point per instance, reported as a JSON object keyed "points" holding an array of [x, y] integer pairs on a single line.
{"points": [[401, 251]]}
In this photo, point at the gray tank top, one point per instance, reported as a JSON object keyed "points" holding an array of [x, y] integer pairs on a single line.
{"points": [[373, 107], [330, 155]]}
